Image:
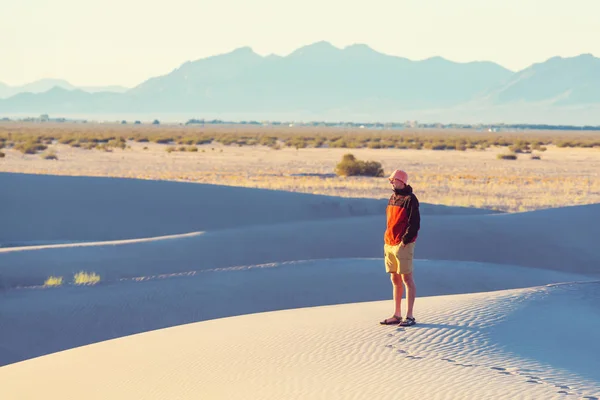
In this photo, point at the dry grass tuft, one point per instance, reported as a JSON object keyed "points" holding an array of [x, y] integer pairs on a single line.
{"points": [[83, 278], [54, 281]]}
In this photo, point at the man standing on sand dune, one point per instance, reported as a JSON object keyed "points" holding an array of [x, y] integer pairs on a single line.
{"points": [[403, 224]]}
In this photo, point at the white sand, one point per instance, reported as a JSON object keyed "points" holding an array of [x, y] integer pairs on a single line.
{"points": [[468, 346], [76, 316], [255, 285]]}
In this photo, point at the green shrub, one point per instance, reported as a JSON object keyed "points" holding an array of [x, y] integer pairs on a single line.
{"points": [[350, 166]]}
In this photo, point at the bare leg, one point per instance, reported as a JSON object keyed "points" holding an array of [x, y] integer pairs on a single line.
{"points": [[411, 292], [398, 289], [397, 292]]}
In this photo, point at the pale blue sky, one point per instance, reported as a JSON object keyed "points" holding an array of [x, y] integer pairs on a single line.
{"points": [[124, 42]]}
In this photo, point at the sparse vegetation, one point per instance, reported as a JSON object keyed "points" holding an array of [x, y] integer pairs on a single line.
{"points": [[51, 155], [31, 147], [53, 281], [84, 278], [350, 166], [31, 138], [441, 176], [2, 155], [506, 156]]}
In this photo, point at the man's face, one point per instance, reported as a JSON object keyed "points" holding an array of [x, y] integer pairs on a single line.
{"points": [[397, 183]]}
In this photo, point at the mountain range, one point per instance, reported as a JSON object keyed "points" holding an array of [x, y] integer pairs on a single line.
{"points": [[43, 85], [322, 81]]}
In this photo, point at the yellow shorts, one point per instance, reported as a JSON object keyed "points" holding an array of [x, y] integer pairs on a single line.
{"points": [[398, 259]]}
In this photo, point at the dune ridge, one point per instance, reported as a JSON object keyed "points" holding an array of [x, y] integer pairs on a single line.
{"points": [[329, 352], [205, 290]]}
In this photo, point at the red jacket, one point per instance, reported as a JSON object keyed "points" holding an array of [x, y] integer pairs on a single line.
{"points": [[403, 217]]}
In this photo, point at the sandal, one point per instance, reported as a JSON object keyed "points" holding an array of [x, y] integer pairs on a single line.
{"points": [[408, 321], [394, 321]]}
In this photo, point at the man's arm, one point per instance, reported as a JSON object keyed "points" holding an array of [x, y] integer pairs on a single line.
{"points": [[414, 221]]}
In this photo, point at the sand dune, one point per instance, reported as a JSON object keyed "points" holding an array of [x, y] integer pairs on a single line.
{"points": [[557, 239], [468, 346], [42, 209], [71, 316], [280, 294]]}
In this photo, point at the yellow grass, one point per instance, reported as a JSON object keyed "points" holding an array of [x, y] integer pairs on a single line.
{"points": [[54, 281], [84, 278]]}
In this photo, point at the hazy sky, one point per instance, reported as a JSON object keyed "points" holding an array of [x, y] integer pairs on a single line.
{"points": [[124, 42]]}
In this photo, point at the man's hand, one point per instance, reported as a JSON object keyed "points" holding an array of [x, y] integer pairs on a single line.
{"points": [[402, 244]]}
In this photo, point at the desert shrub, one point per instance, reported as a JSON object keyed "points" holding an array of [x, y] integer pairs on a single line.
{"points": [[171, 149], [66, 140], [30, 147], [267, 140], [117, 143], [163, 140], [192, 149], [520, 147], [375, 145], [435, 146], [318, 141], [506, 156], [297, 142], [372, 168], [2, 155], [186, 140], [339, 143], [50, 156], [538, 146], [350, 166], [83, 278], [564, 143], [536, 157]]}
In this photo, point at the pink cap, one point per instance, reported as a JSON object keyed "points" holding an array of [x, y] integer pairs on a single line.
{"points": [[399, 174]]}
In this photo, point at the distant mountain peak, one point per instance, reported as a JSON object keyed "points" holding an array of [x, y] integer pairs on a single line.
{"points": [[318, 48], [359, 46], [360, 49], [243, 50]]}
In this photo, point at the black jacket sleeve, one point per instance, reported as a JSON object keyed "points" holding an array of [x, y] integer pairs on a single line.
{"points": [[414, 221]]}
